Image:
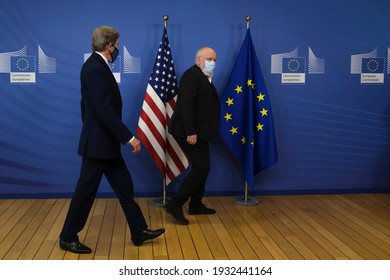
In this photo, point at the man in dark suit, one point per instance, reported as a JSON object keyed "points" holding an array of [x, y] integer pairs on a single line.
{"points": [[101, 136], [194, 123]]}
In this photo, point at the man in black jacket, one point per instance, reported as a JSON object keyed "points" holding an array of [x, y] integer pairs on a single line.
{"points": [[102, 134], [194, 123]]}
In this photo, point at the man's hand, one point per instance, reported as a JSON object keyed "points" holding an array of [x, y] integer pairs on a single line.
{"points": [[136, 145], [191, 139]]}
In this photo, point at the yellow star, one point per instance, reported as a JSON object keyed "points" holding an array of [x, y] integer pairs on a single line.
{"points": [[264, 112], [253, 143], [229, 101], [238, 89], [249, 84], [260, 126], [234, 130], [243, 140], [260, 97], [228, 116]]}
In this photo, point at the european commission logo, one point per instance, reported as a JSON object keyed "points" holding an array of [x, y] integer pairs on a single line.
{"points": [[22, 68], [130, 64], [370, 67], [293, 68]]}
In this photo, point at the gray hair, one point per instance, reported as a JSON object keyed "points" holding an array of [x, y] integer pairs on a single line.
{"points": [[103, 36]]}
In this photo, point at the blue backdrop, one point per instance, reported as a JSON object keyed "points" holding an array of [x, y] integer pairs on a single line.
{"points": [[332, 117]]}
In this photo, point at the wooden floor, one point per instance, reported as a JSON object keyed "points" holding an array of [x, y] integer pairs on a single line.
{"points": [[310, 227]]}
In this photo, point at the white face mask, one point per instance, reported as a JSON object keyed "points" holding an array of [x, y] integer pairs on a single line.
{"points": [[209, 66]]}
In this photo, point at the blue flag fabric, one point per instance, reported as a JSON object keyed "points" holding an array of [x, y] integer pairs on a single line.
{"points": [[246, 115]]}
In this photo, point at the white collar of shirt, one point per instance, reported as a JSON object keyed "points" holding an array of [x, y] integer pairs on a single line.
{"points": [[105, 59]]}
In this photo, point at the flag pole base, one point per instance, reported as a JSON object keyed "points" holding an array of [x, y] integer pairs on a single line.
{"points": [[158, 202], [246, 201]]}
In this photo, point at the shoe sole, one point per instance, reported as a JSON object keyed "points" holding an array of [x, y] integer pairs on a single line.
{"points": [[140, 242], [75, 252]]}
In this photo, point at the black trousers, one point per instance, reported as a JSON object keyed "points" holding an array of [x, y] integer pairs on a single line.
{"points": [[119, 178], [193, 186]]}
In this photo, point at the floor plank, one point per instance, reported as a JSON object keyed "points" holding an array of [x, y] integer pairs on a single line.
{"points": [[311, 227]]}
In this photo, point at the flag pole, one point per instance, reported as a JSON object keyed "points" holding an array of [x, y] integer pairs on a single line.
{"points": [[165, 18], [248, 19], [160, 202], [245, 200]]}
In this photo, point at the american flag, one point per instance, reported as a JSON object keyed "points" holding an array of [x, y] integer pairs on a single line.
{"points": [[157, 109]]}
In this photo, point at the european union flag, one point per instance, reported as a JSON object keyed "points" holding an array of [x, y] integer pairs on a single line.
{"points": [[22, 64], [294, 65], [246, 115], [373, 65]]}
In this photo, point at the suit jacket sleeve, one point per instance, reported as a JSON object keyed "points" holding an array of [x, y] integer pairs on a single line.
{"points": [[188, 90]]}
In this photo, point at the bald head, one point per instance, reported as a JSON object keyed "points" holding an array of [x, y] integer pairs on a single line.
{"points": [[205, 54]]}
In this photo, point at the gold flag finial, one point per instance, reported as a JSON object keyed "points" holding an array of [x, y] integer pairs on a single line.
{"points": [[165, 18], [248, 19]]}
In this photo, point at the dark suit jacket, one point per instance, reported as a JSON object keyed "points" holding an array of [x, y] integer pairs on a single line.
{"points": [[197, 109], [101, 110]]}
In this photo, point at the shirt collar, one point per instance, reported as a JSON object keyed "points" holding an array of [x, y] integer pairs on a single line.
{"points": [[105, 59]]}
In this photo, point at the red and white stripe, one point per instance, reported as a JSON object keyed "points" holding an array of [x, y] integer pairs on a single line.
{"points": [[153, 133]]}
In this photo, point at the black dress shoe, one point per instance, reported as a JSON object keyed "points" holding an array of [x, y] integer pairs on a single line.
{"points": [[177, 213], [75, 247], [146, 235], [201, 210]]}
